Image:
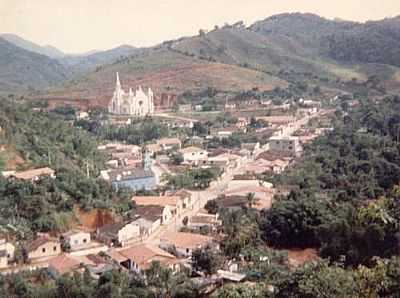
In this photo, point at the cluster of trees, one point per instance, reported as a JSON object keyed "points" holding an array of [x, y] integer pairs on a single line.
{"points": [[46, 139], [192, 178], [347, 204], [137, 133], [160, 282]]}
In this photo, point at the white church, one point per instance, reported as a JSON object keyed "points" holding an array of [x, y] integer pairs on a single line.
{"points": [[135, 103]]}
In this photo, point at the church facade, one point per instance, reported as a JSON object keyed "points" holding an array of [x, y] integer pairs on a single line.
{"points": [[135, 103]]}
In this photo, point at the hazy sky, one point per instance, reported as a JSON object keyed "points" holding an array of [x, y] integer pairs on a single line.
{"points": [[82, 25]]}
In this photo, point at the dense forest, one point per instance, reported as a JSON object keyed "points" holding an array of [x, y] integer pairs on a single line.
{"points": [[46, 139], [348, 201]]}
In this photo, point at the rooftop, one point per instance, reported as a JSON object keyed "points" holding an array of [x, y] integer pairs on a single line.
{"points": [[31, 174], [145, 254], [186, 240], [150, 212], [36, 243], [191, 149], [157, 200]]}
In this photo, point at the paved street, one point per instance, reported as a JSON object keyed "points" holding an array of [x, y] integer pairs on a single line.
{"points": [[217, 187]]}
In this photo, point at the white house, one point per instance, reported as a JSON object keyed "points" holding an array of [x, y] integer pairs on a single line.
{"points": [[194, 155], [77, 239]]}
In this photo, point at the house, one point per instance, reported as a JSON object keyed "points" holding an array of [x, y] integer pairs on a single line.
{"points": [[146, 227], [204, 219], [3, 259], [158, 215], [42, 247], [153, 149], [76, 239], [63, 264], [185, 108], [170, 143], [185, 243], [132, 178], [118, 234], [285, 145], [9, 248], [194, 155], [186, 196], [277, 120], [252, 147], [34, 175], [225, 160], [175, 203], [226, 132], [140, 258], [242, 122]]}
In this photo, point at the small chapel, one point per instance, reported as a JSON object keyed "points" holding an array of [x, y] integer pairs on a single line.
{"points": [[135, 103]]}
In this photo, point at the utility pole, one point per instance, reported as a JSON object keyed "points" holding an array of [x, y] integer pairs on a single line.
{"points": [[87, 169]]}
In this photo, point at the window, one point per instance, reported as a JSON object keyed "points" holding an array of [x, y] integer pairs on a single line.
{"points": [[187, 250], [84, 240], [55, 248], [43, 250]]}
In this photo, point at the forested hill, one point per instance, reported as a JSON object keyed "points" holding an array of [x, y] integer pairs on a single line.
{"points": [[348, 204], [22, 70], [46, 139], [343, 41]]}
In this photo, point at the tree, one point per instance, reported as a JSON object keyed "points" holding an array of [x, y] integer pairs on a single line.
{"points": [[212, 206], [206, 260]]}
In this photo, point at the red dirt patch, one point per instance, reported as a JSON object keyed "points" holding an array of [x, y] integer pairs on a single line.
{"points": [[93, 219], [298, 257]]}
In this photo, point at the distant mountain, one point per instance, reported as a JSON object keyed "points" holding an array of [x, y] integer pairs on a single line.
{"points": [[25, 70], [48, 50], [342, 41], [272, 52], [88, 62]]}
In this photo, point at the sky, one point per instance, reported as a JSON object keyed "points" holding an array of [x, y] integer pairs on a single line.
{"points": [[77, 26]]}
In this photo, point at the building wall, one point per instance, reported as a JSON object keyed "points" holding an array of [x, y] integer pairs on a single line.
{"points": [[127, 233], [78, 239], [3, 262], [48, 249], [9, 248], [147, 183], [195, 157]]}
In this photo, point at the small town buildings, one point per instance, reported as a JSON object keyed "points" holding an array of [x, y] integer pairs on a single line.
{"points": [[252, 147], [76, 239], [194, 155], [277, 120], [146, 227], [140, 258], [8, 247], [242, 122], [170, 143], [185, 108], [226, 132], [157, 214], [132, 178], [225, 161], [118, 234], [63, 264], [3, 259], [204, 219], [153, 149], [285, 145], [42, 247], [186, 243], [175, 203], [33, 175]]}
